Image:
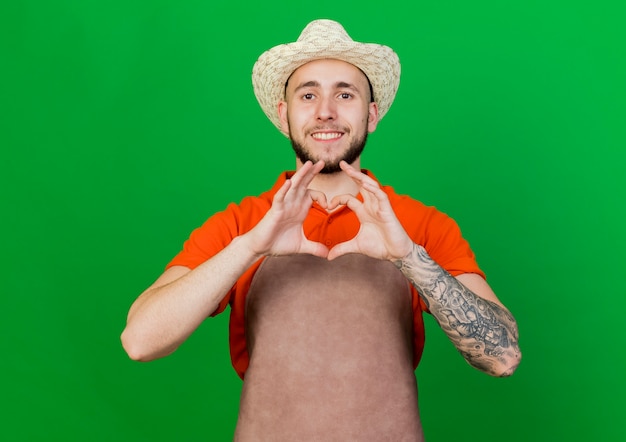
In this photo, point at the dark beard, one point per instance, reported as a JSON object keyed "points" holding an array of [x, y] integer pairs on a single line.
{"points": [[351, 155]]}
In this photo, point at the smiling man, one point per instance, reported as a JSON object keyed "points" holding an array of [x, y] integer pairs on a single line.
{"points": [[316, 91], [328, 273]]}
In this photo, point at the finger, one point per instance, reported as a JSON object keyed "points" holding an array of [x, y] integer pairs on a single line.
{"points": [[302, 189], [345, 200], [350, 171], [345, 166], [303, 176], [318, 166], [306, 173], [279, 196], [367, 185], [374, 188], [372, 193], [297, 189], [319, 198], [366, 194], [301, 173], [356, 175]]}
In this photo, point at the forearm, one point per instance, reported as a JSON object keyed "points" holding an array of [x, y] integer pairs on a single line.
{"points": [[177, 303], [164, 316], [483, 331]]}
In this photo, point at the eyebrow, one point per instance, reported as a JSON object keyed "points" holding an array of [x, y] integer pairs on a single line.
{"points": [[338, 85]]}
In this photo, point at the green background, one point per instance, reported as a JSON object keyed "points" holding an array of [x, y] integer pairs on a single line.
{"points": [[125, 124]]}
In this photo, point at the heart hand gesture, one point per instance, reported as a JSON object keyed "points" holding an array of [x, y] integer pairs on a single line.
{"points": [[381, 235]]}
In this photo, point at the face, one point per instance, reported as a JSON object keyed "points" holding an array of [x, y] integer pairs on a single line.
{"points": [[327, 113]]}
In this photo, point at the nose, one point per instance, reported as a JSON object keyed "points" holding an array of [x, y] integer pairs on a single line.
{"points": [[326, 109]]}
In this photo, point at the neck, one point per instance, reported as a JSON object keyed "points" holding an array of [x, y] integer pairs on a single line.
{"points": [[334, 184]]}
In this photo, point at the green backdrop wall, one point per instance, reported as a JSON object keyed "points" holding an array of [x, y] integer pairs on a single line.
{"points": [[124, 124]]}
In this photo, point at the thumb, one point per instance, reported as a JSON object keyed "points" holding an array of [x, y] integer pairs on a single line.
{"points": [[343, 248], [314, 248]]}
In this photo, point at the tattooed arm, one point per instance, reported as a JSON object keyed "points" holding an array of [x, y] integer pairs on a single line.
{"points": [[465, 307], [482, 329]]}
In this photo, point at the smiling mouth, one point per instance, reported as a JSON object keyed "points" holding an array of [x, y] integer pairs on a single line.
{"points": [[326, 136]]}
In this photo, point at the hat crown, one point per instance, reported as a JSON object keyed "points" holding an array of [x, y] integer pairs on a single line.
{"points": [[326, 30], [324, 39]]}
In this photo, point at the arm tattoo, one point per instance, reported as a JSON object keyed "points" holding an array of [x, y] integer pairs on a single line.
{"points": [[484, 332]]}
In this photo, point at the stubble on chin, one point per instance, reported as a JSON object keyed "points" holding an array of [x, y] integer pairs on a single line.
{"points": [[350, 155]]}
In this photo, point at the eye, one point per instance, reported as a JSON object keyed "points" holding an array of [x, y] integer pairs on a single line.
{"points": [[345, 95], [307, 97]]}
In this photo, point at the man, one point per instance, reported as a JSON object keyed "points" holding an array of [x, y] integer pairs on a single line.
{"points": [[327, 274]]}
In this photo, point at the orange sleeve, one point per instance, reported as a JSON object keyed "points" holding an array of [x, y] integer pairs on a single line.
{"points": [[217, 233], [207, 240], [220, 229], [446, 245], [439, 234]]}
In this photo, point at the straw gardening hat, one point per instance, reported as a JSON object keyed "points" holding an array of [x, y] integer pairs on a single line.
{"points": [[323, 39]]}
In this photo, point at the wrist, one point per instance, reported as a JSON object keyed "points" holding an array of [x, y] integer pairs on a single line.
{"points": [[245, 244], [404, 253], [418, 263]]}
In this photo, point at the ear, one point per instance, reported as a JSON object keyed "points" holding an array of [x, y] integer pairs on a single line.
{"points": [[282, 113], [372, 117]]}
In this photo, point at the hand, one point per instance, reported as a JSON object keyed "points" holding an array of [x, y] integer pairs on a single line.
{"points": [[280, 231], [381, 235]]}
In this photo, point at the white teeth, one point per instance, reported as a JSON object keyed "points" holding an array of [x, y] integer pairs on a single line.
{"points": [[326, 135]]}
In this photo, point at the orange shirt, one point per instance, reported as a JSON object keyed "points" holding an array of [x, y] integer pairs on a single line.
{"points": [[434, 230]]}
